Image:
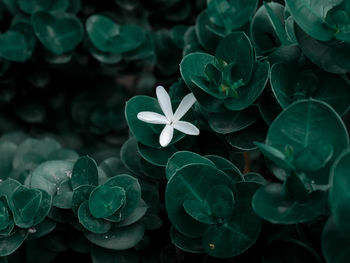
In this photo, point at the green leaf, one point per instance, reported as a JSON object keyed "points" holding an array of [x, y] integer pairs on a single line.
{"points": [[185, 243], [136, 215], [332, 56], [262, 30], [335, 245], [191, 182], [118, 238], [32, 152], [309, 127], [182, 158], [95, 225], [279, 158], [248, 94], [42, 229], [105, 200], [244, 139], [199, 211], [130, 156], [4, 214], [194, 64], [231, 14], [158, 157], [31, 6], [311, 16], [338, 194], [207, 37], [132, 190], [18, 43], [59, 34], [147, 134], [25, 204], [81, 194], [290, 84], [11, 243], [277, 205], [228, 121], [239, 231], [242, 56], [108, 36], [220, 201], [44, 208], [277, 24], [84, 172]]}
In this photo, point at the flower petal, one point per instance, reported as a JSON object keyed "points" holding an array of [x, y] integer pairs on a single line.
{"points": [[164, 102], [166, 135], [184, 106], [152, 117], [186, 127]]}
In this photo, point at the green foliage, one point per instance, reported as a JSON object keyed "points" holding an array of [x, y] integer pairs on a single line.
{"points": [[261, 88]]}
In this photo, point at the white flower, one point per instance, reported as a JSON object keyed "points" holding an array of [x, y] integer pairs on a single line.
{"points": [[170, 119]]}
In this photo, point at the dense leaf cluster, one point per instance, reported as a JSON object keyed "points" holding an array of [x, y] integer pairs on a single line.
{"points": [[81, 175]]}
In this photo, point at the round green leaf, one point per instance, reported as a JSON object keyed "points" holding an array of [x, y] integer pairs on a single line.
{"points": [[105, 200], [311, 83], [32, 152], [108, 36], [11, 243], [59, 34], [50, 174], [311, 135], [17, 44], [191, 182], [132, 190], [231, 14], [182, 158], [95, 225]]}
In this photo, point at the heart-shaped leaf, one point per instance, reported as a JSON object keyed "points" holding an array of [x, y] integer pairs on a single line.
{"points": [[59, 34], [108, 36]]}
